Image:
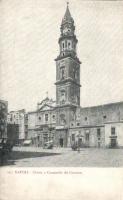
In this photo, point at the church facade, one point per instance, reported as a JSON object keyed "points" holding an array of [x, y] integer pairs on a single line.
{"points": [[64, 121]]}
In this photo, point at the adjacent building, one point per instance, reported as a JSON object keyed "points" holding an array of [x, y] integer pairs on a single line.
{"points": [[64, 121], [3, 118], [17, 125], [99, 126]]}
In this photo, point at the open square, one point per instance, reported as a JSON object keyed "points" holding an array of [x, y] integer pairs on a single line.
{"points": [[64, 157]]}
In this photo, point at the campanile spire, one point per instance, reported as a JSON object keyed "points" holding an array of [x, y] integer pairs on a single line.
{"points": [[67, 17], [67, 39]]}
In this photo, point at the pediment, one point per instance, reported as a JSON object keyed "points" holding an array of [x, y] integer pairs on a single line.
{"points": [[45, 107]]}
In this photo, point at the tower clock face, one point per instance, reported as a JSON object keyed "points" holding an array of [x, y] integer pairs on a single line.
{"points": [[66, 30]]}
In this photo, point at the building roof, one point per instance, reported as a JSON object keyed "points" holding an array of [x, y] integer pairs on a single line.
{"points": [[103, 105], [18, 111]]}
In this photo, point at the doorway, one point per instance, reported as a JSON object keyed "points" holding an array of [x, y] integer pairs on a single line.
{"points": [[98, 144], [113, 142], [61, 142], [80, 144]]}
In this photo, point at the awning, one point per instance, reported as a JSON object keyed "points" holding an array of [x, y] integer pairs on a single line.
{"points": [[27, 142], [60, 127], [49, 142]]}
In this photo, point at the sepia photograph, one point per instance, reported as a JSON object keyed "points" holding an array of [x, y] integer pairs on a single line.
{"points": [[61, 83]]}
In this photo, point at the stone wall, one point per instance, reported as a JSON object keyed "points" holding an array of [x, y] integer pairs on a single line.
{"points": [[102, 114]]}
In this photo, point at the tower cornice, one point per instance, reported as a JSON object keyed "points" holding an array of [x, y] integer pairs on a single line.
{"points": [[68, 80], [67, 105], [68, 56]]}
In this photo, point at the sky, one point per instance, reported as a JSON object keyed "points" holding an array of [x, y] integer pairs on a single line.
{"points": [[29, 44]]}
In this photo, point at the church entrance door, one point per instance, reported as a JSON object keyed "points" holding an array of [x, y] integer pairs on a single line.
{"points": [[61, 142]]}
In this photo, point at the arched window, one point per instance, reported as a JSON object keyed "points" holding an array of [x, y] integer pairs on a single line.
{"points": [[72, 115], [62, 97], [62, 73], [74, 73], [69, 45], [63, 45], [46, 117]]}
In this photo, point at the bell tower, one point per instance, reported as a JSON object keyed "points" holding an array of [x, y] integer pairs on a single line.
{"points": [[67, 73]]}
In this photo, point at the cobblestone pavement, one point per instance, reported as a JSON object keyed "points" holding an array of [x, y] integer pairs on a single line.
{"points": [[64, 157]]}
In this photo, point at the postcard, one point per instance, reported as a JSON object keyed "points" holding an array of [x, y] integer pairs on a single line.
{"points": [[61, 100]]}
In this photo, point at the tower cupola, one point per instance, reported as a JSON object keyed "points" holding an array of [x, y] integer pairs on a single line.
{"points": [[67, 40], [67, 20]]}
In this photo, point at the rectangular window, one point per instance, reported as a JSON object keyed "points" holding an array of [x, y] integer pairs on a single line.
{"points": [[62, 99], [39, 118], [53, 117], [112, 130], [69, 45], [46, 117], [87, 136], [73, 137], [62, 72], [98, 132]]}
